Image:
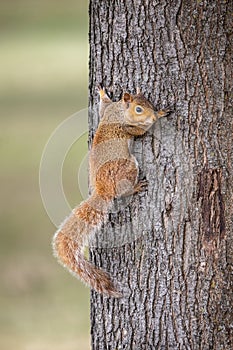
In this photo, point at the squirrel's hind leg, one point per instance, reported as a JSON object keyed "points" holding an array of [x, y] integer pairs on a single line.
{"points": [[104, 100]]}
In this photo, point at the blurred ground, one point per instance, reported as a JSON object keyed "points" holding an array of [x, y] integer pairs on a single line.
{"points": [[43, 80]]}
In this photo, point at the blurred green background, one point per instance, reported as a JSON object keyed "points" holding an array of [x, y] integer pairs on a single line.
{"points": [[43, 80]]}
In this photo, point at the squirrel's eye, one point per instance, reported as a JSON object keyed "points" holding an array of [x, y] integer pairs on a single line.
{"points": [[138, 109]]}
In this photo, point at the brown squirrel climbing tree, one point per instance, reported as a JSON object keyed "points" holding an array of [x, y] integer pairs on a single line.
{"points": [[113, 173], [171, 247]]}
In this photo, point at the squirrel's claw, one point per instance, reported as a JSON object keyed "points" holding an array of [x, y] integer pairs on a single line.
{"points": [[141, 186], [169, 109], [164, 112]]}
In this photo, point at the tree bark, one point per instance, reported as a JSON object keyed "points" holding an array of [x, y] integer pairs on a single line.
{"points": [[170, 247]]}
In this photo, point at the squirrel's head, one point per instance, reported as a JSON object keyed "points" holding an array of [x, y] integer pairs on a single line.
{"points": [[139, 113]]}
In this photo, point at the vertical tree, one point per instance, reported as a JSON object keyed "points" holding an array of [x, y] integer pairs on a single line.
{"points": [[171, 246]]}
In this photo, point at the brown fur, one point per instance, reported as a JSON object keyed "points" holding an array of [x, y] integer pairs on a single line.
{"points": [[107, 132], [142, 101], [122, 169], [113, 173]]}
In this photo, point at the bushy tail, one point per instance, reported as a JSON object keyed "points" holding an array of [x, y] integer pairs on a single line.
{"points": [[69, 242]]}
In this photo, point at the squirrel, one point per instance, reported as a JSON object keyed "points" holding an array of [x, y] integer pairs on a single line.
{"points": [[113, 174]]}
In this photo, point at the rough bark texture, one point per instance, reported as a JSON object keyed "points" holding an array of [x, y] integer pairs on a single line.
{"points": [[171, 247]]}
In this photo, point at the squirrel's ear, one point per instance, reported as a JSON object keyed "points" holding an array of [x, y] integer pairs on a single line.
{"points": [[138, 90], [127, 97]]}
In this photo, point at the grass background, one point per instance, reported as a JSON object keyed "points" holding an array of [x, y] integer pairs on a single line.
{"points": [[43, 80]]}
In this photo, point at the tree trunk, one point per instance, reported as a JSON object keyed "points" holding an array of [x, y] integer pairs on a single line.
{"points": [[170, 247]]}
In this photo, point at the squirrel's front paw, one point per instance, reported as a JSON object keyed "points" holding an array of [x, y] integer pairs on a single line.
{"points": [[164, 112], [141, 186], [169, 109]]}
